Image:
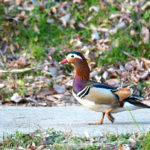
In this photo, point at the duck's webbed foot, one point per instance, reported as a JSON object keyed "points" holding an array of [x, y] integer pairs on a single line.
{"points": [[99, 122]]}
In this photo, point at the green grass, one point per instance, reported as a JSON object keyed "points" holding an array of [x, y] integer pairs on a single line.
{"points": [[34, 34], [135, 122], [25, 34], [146, 15], [60, 141], [37, 52], [122, 43], [19, 139], [146, 144]]}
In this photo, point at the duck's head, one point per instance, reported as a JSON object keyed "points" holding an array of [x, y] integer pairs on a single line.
{"points": [[80, 63], [74, 58]]}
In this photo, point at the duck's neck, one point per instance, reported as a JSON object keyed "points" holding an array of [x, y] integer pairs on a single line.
{"points": [[78, 84], [81, 77]]}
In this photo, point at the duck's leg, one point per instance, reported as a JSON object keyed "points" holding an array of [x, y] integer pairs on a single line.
{"points": [[109, 116], [101, 120]]}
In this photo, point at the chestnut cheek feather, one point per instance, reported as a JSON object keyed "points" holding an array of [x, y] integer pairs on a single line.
{"points": [[71, 60]]}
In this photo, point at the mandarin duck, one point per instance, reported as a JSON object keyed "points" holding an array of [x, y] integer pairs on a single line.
{"points": [[100, 97]]}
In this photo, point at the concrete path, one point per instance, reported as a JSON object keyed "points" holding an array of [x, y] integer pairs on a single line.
{"points": [[72, 118]]}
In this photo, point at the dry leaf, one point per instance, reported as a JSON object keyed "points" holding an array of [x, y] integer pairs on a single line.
{"points": [[47, 91], [100, 29], [69, 83], [113, 16], [12, 48], [41, 147], [20, 63], [81, 25], [132, 142], [77, 1], [49, 20], [133, 78], [118, 26], [95, 35], [93, 74], [2, 86], [132, 32], [146, 6], [105, 75], [142, 75], [4, 47], [95, 8], [58, 96], [124, 147], [145, 34], [113, 82], [18, 2], [51, 99], [53, 71], [146, 63], [16, 98], [53, 9], [65, 19], [59, 89], [36, 29], [76, 42]]}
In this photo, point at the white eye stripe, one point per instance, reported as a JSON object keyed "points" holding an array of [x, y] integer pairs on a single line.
{"points": [[75, 56]]}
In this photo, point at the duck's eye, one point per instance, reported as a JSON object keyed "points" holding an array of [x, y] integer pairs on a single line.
{"points": [[72, 56]]}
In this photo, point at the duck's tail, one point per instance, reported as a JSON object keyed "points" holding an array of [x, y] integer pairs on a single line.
{"points": [[138, 101]]}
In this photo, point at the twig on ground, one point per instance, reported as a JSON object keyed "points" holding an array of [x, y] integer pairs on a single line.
{"points": [[16, 70], [129, 55]]}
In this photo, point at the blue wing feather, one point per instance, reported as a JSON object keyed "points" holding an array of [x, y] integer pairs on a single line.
{"points": [[103, 86]]}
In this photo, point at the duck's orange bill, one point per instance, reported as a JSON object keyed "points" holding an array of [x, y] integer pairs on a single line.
{"points": [[63, 61]]}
